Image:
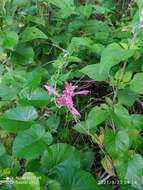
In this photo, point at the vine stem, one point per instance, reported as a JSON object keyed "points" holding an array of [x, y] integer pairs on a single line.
{"points": [[120, 79], [105, 153]]}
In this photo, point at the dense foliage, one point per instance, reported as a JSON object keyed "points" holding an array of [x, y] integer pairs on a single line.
{"points": [[92, 138]]}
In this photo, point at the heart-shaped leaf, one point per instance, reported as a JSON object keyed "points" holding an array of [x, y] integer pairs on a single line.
{"points": [[19, 118], [31, 143], [67, 156], [136, 84], [23, 55], [32, 33]]}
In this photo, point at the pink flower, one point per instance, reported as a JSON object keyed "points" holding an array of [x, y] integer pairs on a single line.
{"points": [[50, 90], [65, 99]]}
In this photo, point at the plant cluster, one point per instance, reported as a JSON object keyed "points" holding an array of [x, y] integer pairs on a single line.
{"points": [[71, 94]]}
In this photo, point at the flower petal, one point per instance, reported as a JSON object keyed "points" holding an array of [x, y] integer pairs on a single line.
{"points": [[50, 90], [74, 111], [84, 92], [61, 101]]}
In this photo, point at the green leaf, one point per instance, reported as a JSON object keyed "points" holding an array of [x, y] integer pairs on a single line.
{"points": [[76, 179], [14, 126], [31, 33], [68, 156], [121, 117], [62, 3], [121, 165], [127, 76], [10, 40], [54, 185], [140, 32], [79, 42], [97, 49], [83, 128], [137, 121], [139, 3], [99, 29], [102, 9], [95, 117], [116, 144], [32, 79], [67, 7], [7, 187], [85, 10], [23, 55], [136, 83], [37, 98], [7, 93], [75, 25], [136, 19], [6, 166], [18, 119], [2, 149], [21, 3], [2, 36], [113, 55], [135, 171], [5, 161], [127, 97], [22, 113], [36, 19], [28, 181], [53, 123], [87, 160], [93, 72], [127, 187], [32, 142]]}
